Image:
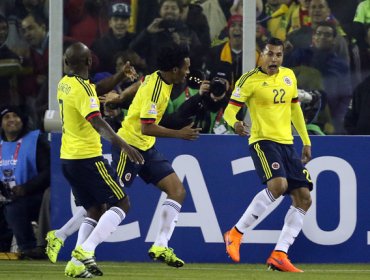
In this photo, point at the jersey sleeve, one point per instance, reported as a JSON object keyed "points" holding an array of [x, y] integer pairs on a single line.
{"points": [[242, 91], [237, 100], [149, 109], [87, 102], [295, 88]]}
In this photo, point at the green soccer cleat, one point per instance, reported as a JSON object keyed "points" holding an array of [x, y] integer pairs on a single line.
{"points": [[53, 246], [166, 255], [76, 271], [88, 259]]}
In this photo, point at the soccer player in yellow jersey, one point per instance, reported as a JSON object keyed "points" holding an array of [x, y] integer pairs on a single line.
{"points": [[270, 93], [140, 129], [94, 183]]}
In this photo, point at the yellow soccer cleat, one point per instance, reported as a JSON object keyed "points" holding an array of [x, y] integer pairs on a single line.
{"points": [[53, 246], [76, 271], [166, 255], [88, 259]]}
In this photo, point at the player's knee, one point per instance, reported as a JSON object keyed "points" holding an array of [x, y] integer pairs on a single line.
{"points": [[124, 204], [306, 203], [277, 187]]}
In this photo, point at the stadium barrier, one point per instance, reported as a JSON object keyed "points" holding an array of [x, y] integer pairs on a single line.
{"points": [[219, 176]]}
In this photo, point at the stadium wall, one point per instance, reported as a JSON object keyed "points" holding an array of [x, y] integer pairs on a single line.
{"points": [[219, 176]]}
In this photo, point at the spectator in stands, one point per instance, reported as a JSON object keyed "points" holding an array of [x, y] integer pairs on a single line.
{"points": [[166, 30], [310, 79], [118, 92], [356, 121], [231, 51], [365, 53], [82, 20], [34, 87], [360, 21], [25, 174], [117, 39], [215, 17], [319, 11], [275, 18], [9, 67], [298, 15], [334, 70], [192, 14], [24, 7]]}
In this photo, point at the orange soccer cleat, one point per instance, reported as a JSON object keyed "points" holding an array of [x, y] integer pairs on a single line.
{"points": [[279, 261], [233, 238]]}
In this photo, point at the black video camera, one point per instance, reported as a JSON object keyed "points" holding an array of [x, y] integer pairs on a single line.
{"points": [[217, 86], [171, 25]]}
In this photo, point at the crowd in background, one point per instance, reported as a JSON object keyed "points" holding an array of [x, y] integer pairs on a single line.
{"points": [[327, 44]]}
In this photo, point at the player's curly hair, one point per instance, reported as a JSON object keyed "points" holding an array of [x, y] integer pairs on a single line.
{"points": [[171, 56]]}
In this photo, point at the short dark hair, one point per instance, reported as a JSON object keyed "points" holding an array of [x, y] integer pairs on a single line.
{"points": [[332, 25], [178, 2], [38, 17], [171, 56], [274, 41]]}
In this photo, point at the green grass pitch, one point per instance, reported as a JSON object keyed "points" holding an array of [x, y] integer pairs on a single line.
{"points": [[38, 270]]}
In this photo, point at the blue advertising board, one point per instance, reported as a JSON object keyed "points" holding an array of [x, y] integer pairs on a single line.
{"points": [[219, 176]]}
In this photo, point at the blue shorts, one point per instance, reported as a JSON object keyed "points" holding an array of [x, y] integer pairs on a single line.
{"points": [[155, 168], [273, 160], [93, 181]]}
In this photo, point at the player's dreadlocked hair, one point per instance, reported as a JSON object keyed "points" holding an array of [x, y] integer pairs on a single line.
{"points": [[171, 56]]}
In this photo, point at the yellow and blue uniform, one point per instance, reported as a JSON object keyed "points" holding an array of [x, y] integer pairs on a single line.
{"points": [[148, 106], [272, 101], [91, 177]]}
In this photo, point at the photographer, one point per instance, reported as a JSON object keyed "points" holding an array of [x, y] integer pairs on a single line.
{"points": [[24, 176], [205, 108]]}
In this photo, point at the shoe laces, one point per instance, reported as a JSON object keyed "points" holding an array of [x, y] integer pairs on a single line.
{"points": [[170, 255]]}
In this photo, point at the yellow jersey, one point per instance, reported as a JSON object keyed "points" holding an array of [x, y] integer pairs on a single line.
{"points": [[148, 106], [269, 100], [78, 102]]}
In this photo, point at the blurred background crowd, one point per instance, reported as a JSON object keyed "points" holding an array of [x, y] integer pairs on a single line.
{"points": [[327, 44]]}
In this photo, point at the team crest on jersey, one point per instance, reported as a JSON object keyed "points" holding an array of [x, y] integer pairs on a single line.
{"points": [[93, 103], [128, 176], [275, 165], [153, 109], [236, 92], [287, 81]]}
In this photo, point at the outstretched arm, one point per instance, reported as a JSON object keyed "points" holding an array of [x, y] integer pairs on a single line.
{"points": [[106, 85], [107, 133], [187, 132]]}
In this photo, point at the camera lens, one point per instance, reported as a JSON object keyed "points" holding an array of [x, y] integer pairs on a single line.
{"points": [[217, 87]]}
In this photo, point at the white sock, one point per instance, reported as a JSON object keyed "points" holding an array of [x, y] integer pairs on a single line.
{"points": [[292, 226], [255, 209], [72, 225], [85, 230], [173, 225], [107, 224], [167, 222]]}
